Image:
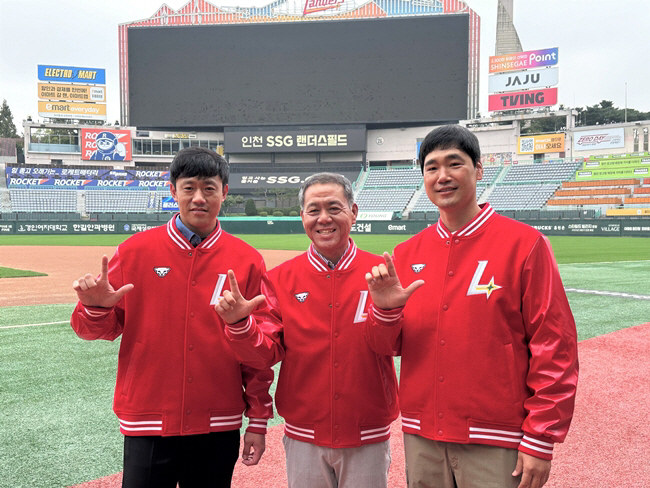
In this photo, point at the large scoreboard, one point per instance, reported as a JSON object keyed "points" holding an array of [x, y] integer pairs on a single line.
{"points": [[379, 72]]}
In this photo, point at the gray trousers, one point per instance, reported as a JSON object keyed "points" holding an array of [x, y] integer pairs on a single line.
{"points": [[312, 466]]}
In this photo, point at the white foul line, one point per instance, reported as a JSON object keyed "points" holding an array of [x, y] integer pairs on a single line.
{"points": [[33, 325], [609, 293]]}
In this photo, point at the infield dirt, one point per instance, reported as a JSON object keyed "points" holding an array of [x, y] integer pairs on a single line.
{"points": [[63, 265]]}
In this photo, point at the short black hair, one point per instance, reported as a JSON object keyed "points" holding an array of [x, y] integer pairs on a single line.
{"points": [[198, 162], [450, 137]]}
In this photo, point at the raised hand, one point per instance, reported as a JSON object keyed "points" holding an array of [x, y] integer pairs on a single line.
{"points": [[232, 306], [385, 288], [99, 292]]}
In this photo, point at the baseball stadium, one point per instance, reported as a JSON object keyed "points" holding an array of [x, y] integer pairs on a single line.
{"points": [[282, 92]]}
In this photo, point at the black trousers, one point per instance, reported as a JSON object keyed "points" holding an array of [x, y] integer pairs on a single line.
{"points": [[195, 461]]}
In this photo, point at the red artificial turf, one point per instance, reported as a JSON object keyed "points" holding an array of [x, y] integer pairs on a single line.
{"points": [[606, 447]]}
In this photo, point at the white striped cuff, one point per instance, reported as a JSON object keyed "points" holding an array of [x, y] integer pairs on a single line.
{"points": [[535, 445], [257, 424], [241, 329], [95, 314], [388, 316]]}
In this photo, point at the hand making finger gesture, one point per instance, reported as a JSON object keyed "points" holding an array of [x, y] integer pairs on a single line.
{"points": [[232, 306], [99, 292], [385, 288]]}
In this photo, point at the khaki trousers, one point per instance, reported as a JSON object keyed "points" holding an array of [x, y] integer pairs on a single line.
{"points": [[312, 466], [432, 464]]}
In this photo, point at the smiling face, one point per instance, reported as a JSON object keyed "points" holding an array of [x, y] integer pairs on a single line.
{"points": [[328, 218], [199, 202], [450, 182]]}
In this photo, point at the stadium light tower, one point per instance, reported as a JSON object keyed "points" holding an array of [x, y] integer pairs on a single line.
{"points": [[507, 38]]}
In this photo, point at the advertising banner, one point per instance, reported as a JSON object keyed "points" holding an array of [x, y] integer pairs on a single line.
{"points": [[72, 74], [524, 99], [242, 140], [245, 181], [21, 182], [523, 80], [524, 60], [169, 204], [636, 228], [541, 144], [312, 6], [105, 145], [604, 228], [612, 173], [621, 156], [599, 139], [72, 110], [389, 227], [619, 163], [74, 93], [87, 173], [627, 211], [375, 215]]}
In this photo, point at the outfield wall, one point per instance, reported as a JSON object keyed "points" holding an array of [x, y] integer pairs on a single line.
{"points": [[292, 225]]}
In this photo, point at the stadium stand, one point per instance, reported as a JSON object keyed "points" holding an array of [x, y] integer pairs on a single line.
{"points": [[50, 200], [545, 172], [400, 177], [383, 200], [520, 197], [490, 175], [519, 188], [388, 190], [621, 192], [118, 201]]}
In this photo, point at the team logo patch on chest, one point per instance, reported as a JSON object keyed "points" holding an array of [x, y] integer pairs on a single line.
{"points": [[477, 288], [162, 271], [417, 267], [301, 297]]}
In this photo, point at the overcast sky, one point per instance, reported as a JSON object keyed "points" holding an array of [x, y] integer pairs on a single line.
{"points": [[602, 45]]}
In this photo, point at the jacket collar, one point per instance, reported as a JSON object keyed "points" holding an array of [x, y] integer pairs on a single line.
{"points": [[471, 227], [318, 262], [181, 241]]}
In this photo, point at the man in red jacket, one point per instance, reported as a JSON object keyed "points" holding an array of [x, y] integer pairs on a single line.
{"points": [[488, 342], [180, 391], [337, 396]]}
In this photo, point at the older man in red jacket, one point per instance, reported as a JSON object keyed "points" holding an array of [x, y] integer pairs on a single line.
{"points": [[337, 396]]}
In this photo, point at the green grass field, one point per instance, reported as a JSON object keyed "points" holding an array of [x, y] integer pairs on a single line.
{"points": [[18, 273], [567, 249], [56, 390]]}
